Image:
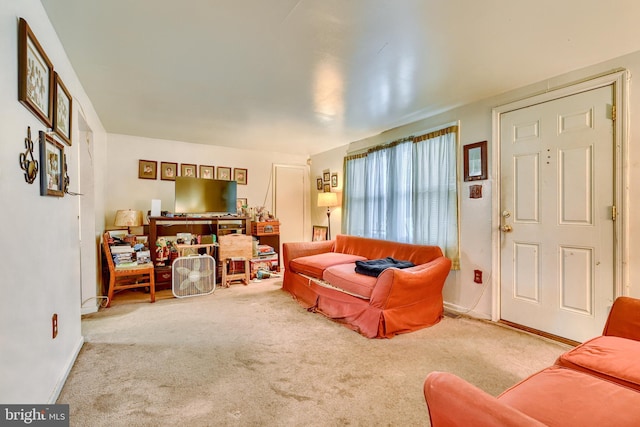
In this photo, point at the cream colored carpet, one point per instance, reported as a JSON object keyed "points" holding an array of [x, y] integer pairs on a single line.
{"points": [[251, 356]]}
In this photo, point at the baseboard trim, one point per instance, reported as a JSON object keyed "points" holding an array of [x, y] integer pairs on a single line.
{"points": [[63, 379], [88, 310], [456, 309]]}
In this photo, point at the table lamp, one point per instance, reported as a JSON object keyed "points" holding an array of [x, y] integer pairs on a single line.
{"points": [[128, 218], [329, 200]]}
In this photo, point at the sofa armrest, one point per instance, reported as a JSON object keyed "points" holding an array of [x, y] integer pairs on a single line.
{"points": [[454, 402], [293, 250], [624, 319], [400, 287]]}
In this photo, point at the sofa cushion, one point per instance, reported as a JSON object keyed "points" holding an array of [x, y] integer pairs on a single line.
{"points": [[558, 396], [314, 265], [609, 357], [344, 278]]}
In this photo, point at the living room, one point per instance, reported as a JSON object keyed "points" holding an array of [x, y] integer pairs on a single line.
{"points": [[43, 273]]}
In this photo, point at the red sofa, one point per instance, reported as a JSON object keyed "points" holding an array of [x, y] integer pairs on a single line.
{"points": [[321, 277], [595, 384]]}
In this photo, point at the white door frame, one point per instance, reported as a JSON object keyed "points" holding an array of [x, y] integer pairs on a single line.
{"points": [[619, 79]]}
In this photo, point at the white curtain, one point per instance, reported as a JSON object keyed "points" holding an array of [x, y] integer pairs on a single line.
{"points": [[406, 192]]}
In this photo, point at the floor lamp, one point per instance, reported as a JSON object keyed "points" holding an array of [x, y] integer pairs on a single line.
{"points": [[328, 200]]}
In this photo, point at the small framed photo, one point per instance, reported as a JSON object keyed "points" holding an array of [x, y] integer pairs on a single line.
{"points": [[147, 169], [240, 175], [52, 163], [207, 172], [319, 233], [475, 161], [319, 184], [326, 175], [334, 179], [168, 171], [187, 169], [241, 204], [62, 110], [35, 75], [224, 173], [327, 187]]}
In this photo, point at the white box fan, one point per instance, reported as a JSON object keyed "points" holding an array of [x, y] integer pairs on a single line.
{"points": [[193, 276]]}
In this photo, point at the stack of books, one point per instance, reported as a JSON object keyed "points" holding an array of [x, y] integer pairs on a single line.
{"points": [[123, 256]]}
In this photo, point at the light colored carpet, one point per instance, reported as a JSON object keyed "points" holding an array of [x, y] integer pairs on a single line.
{"points": [[251, 356]]}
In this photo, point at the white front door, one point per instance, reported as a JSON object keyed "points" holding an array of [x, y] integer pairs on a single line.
{"points": [[557, 193], [290, 194]]}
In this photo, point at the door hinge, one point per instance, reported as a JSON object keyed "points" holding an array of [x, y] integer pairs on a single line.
{"points": [[613, 113], [614, 212]]}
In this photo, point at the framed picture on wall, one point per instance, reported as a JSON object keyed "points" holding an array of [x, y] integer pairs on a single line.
{"points": [[35, 75], [475, 161], [52, 163], [326, 175], [224, 173], [327, 187], [147, 169], [206, 172], [168, 171], [319, 233], [188, 169], [241, 204], [62, 110], [334, 179], [319, 184], [240, 175]]}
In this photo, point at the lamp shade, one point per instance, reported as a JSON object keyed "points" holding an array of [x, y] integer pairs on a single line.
{"points": [[327, 199], [128, 218]]}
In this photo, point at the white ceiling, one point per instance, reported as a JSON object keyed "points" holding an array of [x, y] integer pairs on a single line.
{"points": [[305, 76]]}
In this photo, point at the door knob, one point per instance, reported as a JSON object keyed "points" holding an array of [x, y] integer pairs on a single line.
{"points": [[506, 228]]}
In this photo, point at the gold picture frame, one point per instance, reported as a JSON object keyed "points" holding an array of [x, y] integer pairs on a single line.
{"points": [[62, 110], [35, 75], [240, 176], [224, 173], [147, 169], [207, 172], [168, 171], [189, 170], [52, 176]]}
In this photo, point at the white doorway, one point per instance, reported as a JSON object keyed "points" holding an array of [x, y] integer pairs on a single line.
{"points": [[89, 241], [290, 201], [559, 262]]}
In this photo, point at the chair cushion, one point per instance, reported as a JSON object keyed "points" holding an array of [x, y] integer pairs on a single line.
{"points": [[558, 396], [608, 357], [345, 278], [314, 265]]}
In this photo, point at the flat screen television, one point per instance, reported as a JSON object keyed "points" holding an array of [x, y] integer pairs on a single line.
{"points": [[205, 196]]}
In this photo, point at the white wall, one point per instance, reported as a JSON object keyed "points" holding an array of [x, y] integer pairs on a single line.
{"points": [[333, 161], [460, 291], [126, 191], [39, 257]]}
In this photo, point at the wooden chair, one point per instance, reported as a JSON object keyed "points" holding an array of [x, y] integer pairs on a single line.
{"points": [[127, 278], [235, 248]]}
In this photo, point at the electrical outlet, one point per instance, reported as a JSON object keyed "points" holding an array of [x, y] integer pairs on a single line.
{"points": [[54, 325], [477, 276]]}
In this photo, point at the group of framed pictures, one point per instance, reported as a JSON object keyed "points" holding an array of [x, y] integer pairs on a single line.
{"points": [[40, 88], [41, 91], [327, 181], [148, 169]]}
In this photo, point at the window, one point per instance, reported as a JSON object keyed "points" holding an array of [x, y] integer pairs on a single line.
{"points": [[406, 191]]}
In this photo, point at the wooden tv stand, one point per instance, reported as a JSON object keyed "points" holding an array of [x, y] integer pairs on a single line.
{"points": [[170, 226]]}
